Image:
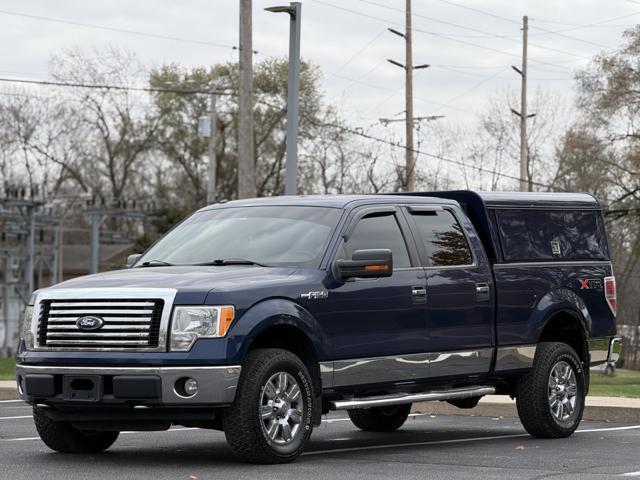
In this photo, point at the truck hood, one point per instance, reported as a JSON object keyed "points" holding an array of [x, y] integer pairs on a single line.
{"points": [[192, 282]]}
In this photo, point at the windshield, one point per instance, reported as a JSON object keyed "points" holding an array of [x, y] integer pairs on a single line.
{"points": [[273, 236]]}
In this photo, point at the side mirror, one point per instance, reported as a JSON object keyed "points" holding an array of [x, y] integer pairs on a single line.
{"points": [[366, 264], [132, 259]]}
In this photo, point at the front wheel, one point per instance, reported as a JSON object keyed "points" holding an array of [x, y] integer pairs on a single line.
{"points": [[270, 420], [380, 419], [550, 398], [64, 438]]}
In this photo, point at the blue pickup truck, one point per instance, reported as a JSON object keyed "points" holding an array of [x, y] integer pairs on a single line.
{"points": [[256, 317]]}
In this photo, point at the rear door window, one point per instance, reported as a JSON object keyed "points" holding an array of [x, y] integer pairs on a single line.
{"points": [[530, 235], [378, 231], [443, 238]]}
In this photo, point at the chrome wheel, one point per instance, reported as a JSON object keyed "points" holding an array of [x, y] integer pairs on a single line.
{"points": [[563, 390], [281, 408]]}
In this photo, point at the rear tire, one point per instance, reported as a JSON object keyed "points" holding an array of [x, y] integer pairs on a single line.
{"points": [[62, 437], [270, 420], [550, 398], [380, 419]]}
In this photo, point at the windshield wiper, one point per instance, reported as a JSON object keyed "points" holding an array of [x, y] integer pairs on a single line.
{"points": [[231, 261], [155, 263]]}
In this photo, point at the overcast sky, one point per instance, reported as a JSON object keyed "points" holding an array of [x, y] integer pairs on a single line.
{"points": [[470, 44]]}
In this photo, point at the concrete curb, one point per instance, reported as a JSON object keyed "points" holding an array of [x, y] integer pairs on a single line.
{"points": [[8, 392], [604, 409]]}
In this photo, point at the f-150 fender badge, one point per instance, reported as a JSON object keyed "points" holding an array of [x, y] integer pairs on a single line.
{"points": [[321, 295]]}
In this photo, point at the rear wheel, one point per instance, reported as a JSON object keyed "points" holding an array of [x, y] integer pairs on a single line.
{"points": [[270, 420], [64, 438], [380, 419], [550, 398]]}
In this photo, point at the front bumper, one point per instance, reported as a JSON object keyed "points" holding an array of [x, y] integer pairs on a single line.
{"points": [[153, 386]]}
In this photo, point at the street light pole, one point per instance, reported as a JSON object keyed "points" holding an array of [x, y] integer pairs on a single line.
{"points": [[291, 170]]}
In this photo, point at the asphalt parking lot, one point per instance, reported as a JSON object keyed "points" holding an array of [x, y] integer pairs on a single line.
{"points": [[426, 447]]}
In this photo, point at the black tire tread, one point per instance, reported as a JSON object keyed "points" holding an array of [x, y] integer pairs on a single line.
{"points": [[241, 431], [62, 437], [533, 408]]}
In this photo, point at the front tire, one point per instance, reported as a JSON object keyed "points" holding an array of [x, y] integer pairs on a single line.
{"points": [[380, 419], [550, 398], [270, 420], [62, 437]]}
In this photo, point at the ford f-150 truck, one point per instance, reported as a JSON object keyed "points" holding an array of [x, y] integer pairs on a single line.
{"points": [[256, 317]]}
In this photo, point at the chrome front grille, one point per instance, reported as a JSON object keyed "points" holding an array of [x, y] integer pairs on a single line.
{"points": [[128, 324]]}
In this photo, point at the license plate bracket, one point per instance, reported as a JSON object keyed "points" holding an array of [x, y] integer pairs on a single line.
{"points": [[82, 388]]}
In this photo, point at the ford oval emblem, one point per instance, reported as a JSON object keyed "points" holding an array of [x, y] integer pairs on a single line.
{"points": [[89, 323]]}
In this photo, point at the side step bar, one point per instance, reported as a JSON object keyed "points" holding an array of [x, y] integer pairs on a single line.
{"points": [[403, 398]]}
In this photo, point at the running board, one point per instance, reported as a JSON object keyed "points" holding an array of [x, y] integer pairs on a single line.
{"points": [[403, 398]]}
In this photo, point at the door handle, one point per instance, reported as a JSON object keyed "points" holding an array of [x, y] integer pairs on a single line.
{"points": [[419, 294], [482, 291]]}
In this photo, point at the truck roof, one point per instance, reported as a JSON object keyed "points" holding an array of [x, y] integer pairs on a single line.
{"points": [[335, 201], [494, 199]]}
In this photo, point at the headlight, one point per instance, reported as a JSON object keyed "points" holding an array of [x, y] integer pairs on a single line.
{"points": [[191, 323], [26, 333]]}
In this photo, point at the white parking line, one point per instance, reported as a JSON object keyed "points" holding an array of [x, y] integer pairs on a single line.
{"points": [[631, 474], [457, 440], [10, 401], [16, 418], [611, 429], [413, 444], [26, 439]]}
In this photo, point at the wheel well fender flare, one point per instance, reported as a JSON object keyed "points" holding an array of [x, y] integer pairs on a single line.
{"points": [[561, 302], [278, 313]]}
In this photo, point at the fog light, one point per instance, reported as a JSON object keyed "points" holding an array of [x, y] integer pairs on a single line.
{"points": [[190, 387], [186, 387]]}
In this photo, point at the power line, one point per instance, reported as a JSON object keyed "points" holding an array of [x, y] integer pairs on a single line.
{"points": [[115, 29], [388, 22], [489, 34], [510, 20], [436, 34], [469, 90], [396, 92], [482, 12], [427, 154], [560, 34], [108, 87], [437, 20], [355, 55], [340, 127]]}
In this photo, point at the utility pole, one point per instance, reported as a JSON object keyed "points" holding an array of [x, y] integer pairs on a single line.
{"points": [[246, 163], [410, 160], [410, 176], [525, 184]]}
